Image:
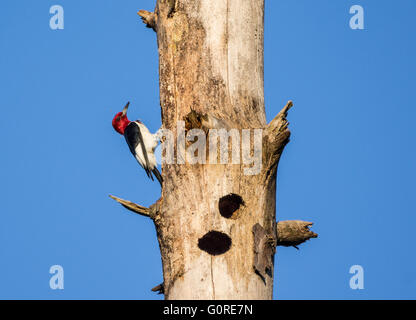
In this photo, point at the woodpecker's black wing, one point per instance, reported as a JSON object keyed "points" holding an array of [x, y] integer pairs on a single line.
{"points": [[133, 137], [158, 175]]}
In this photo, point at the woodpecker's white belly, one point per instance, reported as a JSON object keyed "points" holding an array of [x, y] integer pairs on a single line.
{"points": [[150, 143]]}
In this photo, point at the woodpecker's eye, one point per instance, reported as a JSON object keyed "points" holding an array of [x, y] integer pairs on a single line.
{"points": [[118, 118]]}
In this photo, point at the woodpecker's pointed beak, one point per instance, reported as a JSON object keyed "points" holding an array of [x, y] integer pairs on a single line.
{"points": [[125, 109]]}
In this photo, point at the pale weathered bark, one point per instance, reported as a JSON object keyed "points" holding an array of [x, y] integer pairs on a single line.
{"points": [[215, 224], [211, 61]]}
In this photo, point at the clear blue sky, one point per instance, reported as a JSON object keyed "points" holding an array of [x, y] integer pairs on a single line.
{"points": [[350, 166]]}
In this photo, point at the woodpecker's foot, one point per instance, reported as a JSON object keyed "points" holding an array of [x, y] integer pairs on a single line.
{"points": [[159, 134]]}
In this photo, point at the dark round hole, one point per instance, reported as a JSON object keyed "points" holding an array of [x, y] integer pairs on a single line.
{"points": [[229, 204], [215, 243]]}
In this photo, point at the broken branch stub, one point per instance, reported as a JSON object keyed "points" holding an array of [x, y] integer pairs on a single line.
{"points": [[148, 18], [293, 232], [277, 135], [144, 211], [289, 233], [160, 289]]}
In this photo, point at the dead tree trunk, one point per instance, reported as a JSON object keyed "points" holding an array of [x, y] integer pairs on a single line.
{"points": [[215, 222]]}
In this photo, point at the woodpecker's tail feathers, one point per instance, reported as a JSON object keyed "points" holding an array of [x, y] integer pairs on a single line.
{"points": [[149, 174], [158, 175]]}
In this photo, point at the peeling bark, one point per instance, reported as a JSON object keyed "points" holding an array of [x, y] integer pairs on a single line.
{"points": [[264, 249]]}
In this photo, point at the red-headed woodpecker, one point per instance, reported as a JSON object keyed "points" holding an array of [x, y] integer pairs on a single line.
{"points": [[141, 142]]}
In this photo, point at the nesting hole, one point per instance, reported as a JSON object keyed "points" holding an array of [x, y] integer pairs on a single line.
{"points": [[229, 205], [215, 243]]}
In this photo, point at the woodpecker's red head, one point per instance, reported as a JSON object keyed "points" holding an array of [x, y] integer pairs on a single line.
{"points": [[120, 121]]}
